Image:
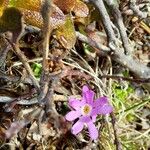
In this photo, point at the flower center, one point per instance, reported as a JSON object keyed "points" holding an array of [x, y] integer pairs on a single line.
{"points": [[86, 109]]}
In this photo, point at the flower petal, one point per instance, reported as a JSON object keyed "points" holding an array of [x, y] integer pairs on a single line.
{"points": [[87, 94], [85, 89], [77, 127], [100, 101], [88, 97], [101, 106], [75, 103], [72, 115], [106, 109], [94, 118], [95, 111], [92, 130], [85, 119]]}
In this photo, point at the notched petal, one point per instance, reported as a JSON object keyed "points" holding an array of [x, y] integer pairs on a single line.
{"points": [[106, 109], [100, 101], [75, 103], [85, 119], [77, 127], [89, 96], [85, 89], [72, 115], [95, 111], [92, 131]]}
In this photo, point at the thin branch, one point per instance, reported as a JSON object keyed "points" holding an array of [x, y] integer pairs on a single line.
{"points": [[51, 113], [105, 18], [136, 10], [16, 126], [46, 31], [14, 42], [32, 101], [117, 142], [3, 53], [138, 68], [138, 80], [119, 20], [91, 42], [24, 61]]}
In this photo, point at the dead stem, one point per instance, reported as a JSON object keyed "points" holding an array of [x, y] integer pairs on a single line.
{"points": [[117, 141], [138, 68], [122, 29], [47, 29], [136, 9], [24, 61]]}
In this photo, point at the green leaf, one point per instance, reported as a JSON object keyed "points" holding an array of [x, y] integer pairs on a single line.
{"points": [[37, 69], [66, 33]]}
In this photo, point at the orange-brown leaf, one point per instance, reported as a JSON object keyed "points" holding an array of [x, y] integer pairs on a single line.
{"points": [[3, 4], [57, 18], [65, 5], [80, 9], [34, 5], [34, 18]]}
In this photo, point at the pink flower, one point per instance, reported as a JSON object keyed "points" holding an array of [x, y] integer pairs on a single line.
{"points": [[87, 110]]}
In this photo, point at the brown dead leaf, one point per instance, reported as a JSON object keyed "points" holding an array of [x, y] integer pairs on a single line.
{"points": [[65, 5], [57, 18], [15, 128], [3, 4], [80, 9], [98, 37], [34, 17]]}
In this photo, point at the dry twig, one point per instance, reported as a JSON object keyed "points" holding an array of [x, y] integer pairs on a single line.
{"points": [[122, 29], [24, 61], [136, 9], [117, 142], [44, 80], [138, 68]]}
